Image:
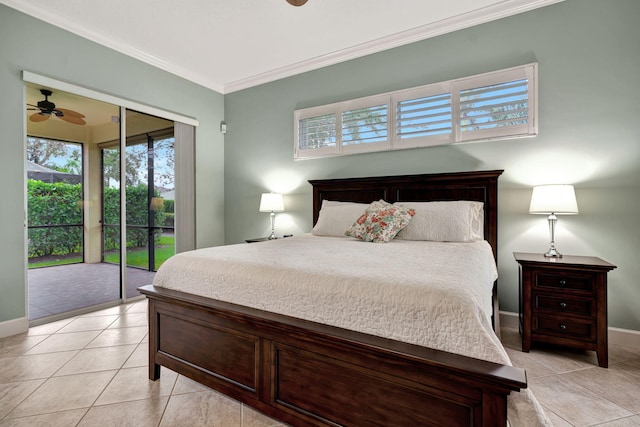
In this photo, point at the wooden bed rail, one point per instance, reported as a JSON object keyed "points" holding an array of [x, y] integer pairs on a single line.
{"points": [[305, 373]]}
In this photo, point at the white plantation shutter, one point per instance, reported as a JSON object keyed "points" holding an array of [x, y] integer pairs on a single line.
{"points": [[423, 117], [501, 104], [315, 133], [489, 107], [318, 132], [497, 105], [365, 125]]}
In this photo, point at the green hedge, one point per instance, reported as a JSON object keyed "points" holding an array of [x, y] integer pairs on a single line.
{"points": [[60, 203], [169, 209], [169, 206], [136, 215], [51, 204]]}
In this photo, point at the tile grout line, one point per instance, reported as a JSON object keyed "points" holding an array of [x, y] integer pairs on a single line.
{"points": [[53, 374], [602, 397], [169, 397]]}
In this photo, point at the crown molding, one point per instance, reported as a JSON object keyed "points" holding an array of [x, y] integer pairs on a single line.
{"points": [[491, 13], [51, 16]]}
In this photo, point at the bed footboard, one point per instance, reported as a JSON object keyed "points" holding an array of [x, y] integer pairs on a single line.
{"points": [[304, 373]]}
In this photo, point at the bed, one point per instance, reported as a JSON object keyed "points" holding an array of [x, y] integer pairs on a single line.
{"points": [[308, 372]]}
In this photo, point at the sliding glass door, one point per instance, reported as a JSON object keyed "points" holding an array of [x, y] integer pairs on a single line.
{"points": [[149, 199], [102, 205], [66, 274]]}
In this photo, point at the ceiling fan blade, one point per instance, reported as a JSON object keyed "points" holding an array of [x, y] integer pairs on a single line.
{"points": [[37, 117], [70, 112], [73, 119]]}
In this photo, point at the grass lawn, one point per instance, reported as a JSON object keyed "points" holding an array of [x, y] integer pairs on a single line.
{"points": [[139, 257], [136, 257], [55, 260]]}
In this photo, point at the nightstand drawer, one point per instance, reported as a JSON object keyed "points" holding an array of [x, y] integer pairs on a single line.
{"points": [[573, 283], [566, 328], [582, 306], [563, 301]]}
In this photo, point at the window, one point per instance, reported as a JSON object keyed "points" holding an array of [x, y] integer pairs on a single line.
{"points": [[424, 117], [496, 105], [318, 132]]}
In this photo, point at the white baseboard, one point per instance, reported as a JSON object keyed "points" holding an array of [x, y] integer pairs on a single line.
{"points": [[509, 320], [13, 327], [617, 336], [625, 337]]}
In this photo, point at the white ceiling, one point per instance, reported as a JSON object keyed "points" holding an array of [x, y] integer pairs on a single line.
{"points": [[228, 45]]}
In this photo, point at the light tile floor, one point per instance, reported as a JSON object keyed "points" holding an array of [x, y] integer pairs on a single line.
{"points": [[576, 392], [90, 370]]}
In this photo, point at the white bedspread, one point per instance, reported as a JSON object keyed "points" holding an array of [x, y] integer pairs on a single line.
{"points": [[432, 294]]}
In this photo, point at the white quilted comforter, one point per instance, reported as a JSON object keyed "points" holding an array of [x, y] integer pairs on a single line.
{"points": [[432, 294]]}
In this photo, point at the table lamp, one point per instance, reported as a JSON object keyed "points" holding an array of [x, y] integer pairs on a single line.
{"points": [[272, 202], [553, 200]]}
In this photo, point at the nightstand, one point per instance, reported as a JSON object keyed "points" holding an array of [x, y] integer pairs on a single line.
{"points": [[266, 239], [258, 239], [563, 301]]}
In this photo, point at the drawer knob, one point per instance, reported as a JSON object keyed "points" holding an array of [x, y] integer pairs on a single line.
{"points": [[563, 305], [563, 326], [563, 282]]}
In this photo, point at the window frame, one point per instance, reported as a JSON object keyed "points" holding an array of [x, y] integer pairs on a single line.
{"points": [[417, 93], [367, 147], [528, 72], [309, 113]]}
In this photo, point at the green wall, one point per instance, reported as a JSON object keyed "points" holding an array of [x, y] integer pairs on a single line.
{"points": [[589, 66], [589, 63], [29, 44]]}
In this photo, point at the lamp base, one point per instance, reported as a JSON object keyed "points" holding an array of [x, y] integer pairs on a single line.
{"points": [[273, 232], [552, 253]]}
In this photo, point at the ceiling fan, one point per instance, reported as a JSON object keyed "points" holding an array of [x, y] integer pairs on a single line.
{"points": [[47, 108], [296, 2]]}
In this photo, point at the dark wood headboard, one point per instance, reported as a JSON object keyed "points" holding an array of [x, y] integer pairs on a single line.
{"points": [[479, 186]]}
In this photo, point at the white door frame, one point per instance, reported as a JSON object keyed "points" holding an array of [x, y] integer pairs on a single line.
{"points": [[124, 105]]}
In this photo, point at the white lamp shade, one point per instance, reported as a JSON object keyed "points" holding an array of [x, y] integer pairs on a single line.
{"points": [[557, 199], [271, 202]]}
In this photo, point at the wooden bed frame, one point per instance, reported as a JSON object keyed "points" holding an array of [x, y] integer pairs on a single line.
{"points": [[305, 373]]}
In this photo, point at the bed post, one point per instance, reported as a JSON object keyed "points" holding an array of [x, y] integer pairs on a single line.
{"points": [[154, 368]]}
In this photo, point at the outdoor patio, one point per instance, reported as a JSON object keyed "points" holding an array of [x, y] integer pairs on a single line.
{"points": [[64, 288]]}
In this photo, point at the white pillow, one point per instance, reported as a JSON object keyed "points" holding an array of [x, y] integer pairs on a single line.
{"points": [[455, 221], [326, 203], [336, 217]]}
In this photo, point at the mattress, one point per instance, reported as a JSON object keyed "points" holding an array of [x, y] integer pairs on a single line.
{"points": [[432, 294]]}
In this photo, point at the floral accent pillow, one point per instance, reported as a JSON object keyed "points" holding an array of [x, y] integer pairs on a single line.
{"points": [[381, 222]]}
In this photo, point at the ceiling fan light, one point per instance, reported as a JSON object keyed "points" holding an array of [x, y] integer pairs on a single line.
{"points": [[48, 109]]}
